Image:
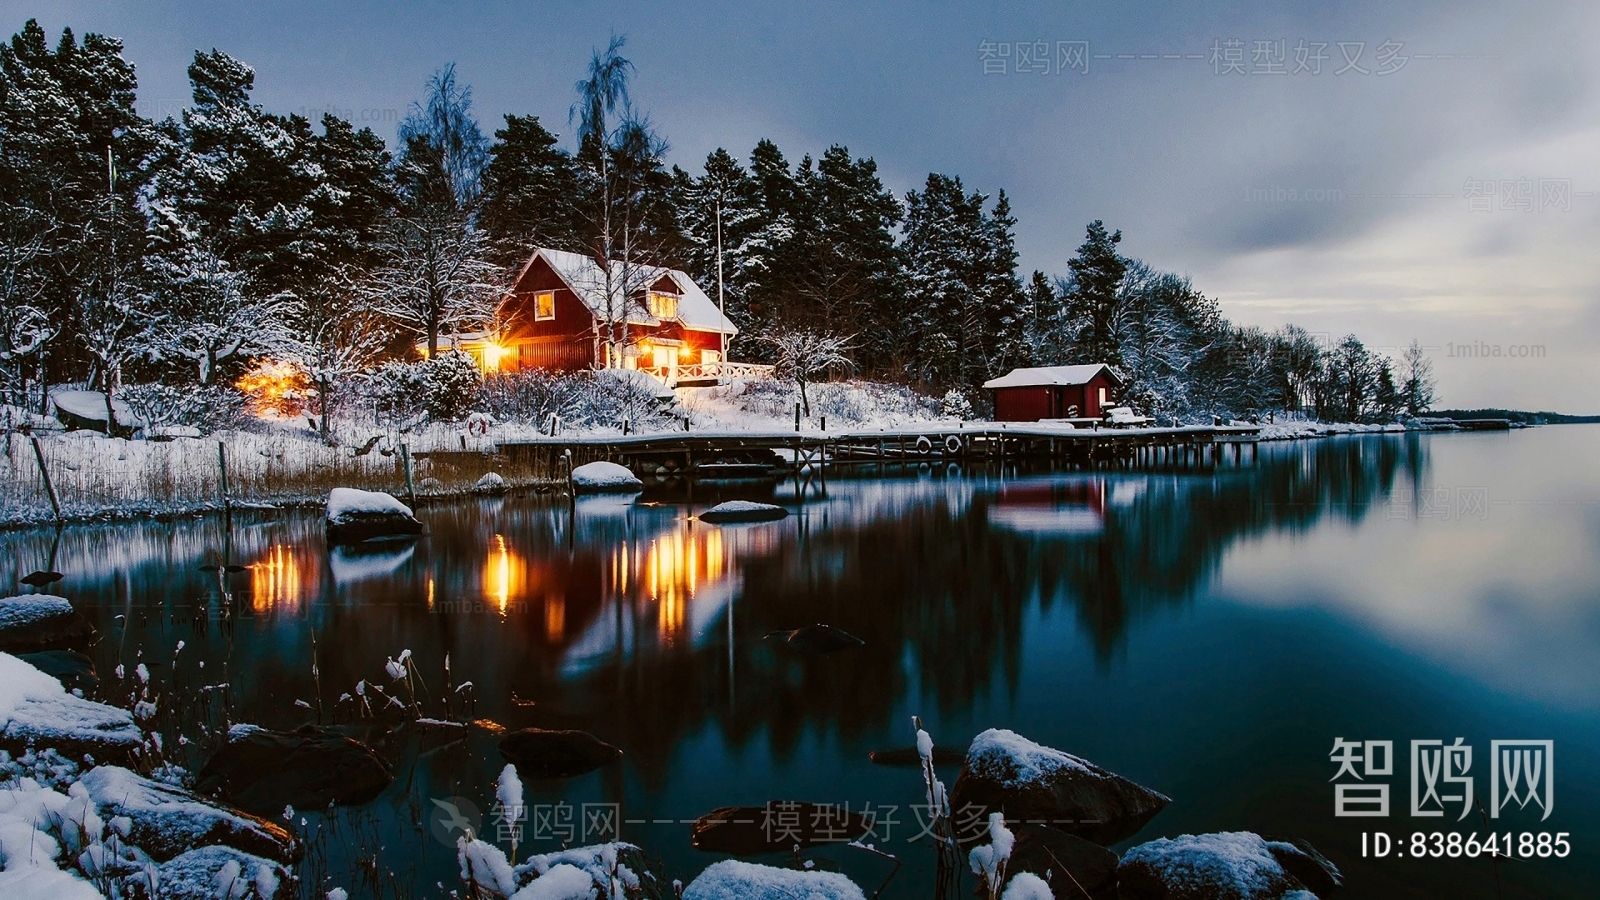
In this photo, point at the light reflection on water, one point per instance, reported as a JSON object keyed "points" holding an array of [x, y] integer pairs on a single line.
{"points": [[1207, 634]]}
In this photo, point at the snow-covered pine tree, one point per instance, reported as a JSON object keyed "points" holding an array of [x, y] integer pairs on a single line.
{"points": [[1096, 273], [530, 194], [962, 285], [67, 122], [847, 277], [724, 230]]}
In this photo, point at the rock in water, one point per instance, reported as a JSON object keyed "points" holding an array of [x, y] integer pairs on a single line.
{"points": [[262, 771], [547, 753], [604, 478], [736, 511], [817, 639], [210, 872], [775, 828], [355, 517], [1048, 851], [73, 669], [491, 485], [41, 622], [36, 712], [1228, 866], [41, 578], [167, 821], [734, 880], [1005, 772]]}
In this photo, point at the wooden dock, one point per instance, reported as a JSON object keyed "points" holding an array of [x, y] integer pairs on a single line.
{"points": [[736, 454]]}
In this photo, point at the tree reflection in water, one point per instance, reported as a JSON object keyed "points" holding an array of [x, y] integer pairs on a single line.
{"points": [[639, 616]]}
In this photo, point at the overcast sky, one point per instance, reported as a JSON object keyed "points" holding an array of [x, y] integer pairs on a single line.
{"points": [[1340, 200]]}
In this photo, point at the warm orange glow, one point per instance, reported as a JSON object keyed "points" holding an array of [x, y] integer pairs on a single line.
{"points": [[492, 354], [276, 388], [504, 574], [555, 617], [673, 568], [275, 581]]}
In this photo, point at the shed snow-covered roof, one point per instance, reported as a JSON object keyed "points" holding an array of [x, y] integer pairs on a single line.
{"points": [[584, 276], [1049, 376]]}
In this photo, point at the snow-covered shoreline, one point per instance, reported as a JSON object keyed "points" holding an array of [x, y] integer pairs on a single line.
{"points": [[284, 465]]}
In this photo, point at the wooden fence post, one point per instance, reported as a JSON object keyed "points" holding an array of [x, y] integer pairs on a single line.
{"points": [[44, 472], [405, 465], [222, 468]]}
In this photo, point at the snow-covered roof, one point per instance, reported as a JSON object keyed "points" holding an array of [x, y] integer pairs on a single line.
{"points": [[583, 275], [1049, 376]]}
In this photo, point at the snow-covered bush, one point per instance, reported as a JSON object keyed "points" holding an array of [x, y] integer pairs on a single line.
{"points": [[450, 384], [442, 389], [395, 391], [577, 399], [955, 405], [205, 407], [533, 396]]}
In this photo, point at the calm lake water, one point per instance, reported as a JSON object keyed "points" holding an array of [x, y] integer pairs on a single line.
{"points": [[1206, 634]]}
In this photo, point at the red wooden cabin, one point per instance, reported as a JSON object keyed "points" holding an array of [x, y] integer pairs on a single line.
{"points": [[1053, 392], [564, 313]]}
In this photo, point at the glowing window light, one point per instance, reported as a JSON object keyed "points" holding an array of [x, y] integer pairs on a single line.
{"points": [[275, 580], [492, 355], [504, 574]]}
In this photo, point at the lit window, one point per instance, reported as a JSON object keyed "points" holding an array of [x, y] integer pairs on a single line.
{"points": [[663, 306], [544, 306]]}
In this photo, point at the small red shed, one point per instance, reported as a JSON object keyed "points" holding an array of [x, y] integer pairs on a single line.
{"points": [[1053, 392]]}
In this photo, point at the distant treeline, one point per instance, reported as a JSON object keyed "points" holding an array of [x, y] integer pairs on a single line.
{"points": [[1516, 415], [185, 251]]}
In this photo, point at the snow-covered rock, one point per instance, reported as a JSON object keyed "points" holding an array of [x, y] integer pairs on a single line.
{"points": [[734, 880], [604, 477], [33, 853], [36, 711], [222, 873], [41, 622], [731, 511], [74, 670], [1006, 772], [164, 821], [615, 865], [356, 516], [1228, 866], [260, 770], [87, 409], [1027, 886], [491, 483], [561, 882]]}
